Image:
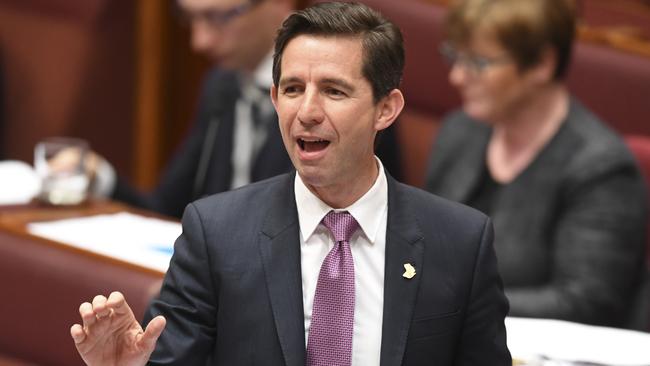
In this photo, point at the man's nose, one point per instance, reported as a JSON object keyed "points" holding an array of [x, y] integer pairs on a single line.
{"points": [[203, 36], [311, 108]]}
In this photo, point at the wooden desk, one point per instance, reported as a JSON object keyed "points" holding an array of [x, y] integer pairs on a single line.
{"points": [[44, 282]]}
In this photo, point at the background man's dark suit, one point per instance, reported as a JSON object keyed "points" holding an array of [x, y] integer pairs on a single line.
{"points": [[211, 141], [183, 180], [233, 294]]}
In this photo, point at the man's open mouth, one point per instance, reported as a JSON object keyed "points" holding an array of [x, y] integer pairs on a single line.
{"points": [[312, 145]]}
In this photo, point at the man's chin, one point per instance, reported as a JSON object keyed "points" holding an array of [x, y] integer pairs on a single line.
{"points": [[311, 175], [224, 64]]}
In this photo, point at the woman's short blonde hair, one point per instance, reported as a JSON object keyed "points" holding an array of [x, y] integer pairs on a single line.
{"points": [[525, 28]]}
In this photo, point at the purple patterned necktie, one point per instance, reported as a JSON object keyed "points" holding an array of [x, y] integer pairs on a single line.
{"points": [[330, 334]]}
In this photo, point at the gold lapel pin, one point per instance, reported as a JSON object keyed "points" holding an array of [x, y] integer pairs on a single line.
{"points": [[409, 271]]}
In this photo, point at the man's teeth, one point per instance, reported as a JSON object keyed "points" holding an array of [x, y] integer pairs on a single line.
{"points": [[302, 142]]}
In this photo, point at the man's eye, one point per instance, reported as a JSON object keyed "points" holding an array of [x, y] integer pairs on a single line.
{"points": [[292, 89], [335, 92]]}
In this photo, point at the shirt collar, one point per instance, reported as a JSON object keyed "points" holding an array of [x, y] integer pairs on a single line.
{"points": [[263, 75], [311, 209]]}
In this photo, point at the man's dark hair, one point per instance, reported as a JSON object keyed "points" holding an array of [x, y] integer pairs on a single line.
{"points": [[383, 46]]}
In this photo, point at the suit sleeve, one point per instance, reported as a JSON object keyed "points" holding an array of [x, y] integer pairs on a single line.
{"points": [[188, 300], [175, 187], [483, 338]]}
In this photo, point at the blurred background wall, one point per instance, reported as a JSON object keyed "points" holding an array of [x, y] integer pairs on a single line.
{"points": [[67, 69], [91, 69]]}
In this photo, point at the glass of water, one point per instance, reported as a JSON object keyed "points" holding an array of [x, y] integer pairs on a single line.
{"points": [[60, 162]]}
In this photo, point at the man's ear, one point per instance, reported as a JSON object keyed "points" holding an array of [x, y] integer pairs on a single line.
{"points": [[274, 96], [389, 107]]}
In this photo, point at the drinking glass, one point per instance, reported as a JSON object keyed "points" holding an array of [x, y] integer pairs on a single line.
{"points": [[60, 164]]}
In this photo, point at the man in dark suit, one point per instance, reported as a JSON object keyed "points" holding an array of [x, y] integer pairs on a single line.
{"points": [[235, 139], [335, 264]]}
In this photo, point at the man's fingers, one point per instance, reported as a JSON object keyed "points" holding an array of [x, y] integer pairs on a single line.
{"points": [[99, 306], [117, 302], [87, 314], [66, 160], [153, 331], [77, 333], [92, 161]]}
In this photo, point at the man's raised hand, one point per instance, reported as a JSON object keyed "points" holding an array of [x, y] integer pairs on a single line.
{"points": [[111, 335]]}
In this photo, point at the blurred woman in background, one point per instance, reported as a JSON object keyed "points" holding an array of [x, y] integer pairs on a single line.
{"points": [[565, 195]]}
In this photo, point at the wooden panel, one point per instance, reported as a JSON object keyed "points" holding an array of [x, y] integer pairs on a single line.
{"points": [[168, 83], [150, 90], [67, 74], [416, 133]]}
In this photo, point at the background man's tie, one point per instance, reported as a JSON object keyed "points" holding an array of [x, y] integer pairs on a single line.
{"points": [[330, 334], [261, 111]]}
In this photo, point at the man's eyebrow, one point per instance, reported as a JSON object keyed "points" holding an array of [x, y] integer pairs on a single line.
{"points": [[290, 79], [337, 81], [326, 81]]}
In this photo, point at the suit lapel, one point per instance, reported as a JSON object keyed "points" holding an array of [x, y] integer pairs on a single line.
{"points": [[403, 245], [220, 172], [280, 251]]}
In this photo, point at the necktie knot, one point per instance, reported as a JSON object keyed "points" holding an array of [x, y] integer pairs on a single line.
{"points": [[341, 224]]}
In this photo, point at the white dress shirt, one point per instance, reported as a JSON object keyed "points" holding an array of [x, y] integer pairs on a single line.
{"points": [[368, 251]]}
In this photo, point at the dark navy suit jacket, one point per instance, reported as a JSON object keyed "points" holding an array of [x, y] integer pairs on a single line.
{"points": [[233, 292]]}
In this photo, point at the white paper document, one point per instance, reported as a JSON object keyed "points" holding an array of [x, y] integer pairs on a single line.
{"points": [[557, 342], [145, 241]]}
